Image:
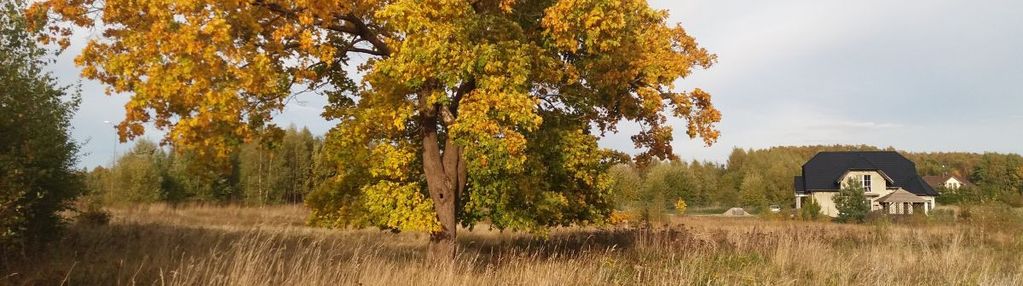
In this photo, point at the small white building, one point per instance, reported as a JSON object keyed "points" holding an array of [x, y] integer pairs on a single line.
{"points": [[951, 182], [890, 181]]}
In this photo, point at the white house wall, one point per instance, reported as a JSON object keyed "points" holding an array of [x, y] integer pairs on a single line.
{"points": [[878, 184], [827, 202], [953, 183]]}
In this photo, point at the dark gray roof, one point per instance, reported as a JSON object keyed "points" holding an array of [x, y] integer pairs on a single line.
{"points": [[797, 184], [823, 171]]}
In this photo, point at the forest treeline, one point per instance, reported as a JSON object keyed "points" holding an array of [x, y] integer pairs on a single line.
{"points": [[757, 178], [284, 172]]}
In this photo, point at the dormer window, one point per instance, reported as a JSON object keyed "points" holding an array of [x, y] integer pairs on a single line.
{"points": [[866, 183]]}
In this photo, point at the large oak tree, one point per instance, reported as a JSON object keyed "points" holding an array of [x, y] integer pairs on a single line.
{"points": [[463, 110]]}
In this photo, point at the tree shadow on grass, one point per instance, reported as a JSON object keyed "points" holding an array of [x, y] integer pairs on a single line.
{"points": [[148, 253], [575, 244]]}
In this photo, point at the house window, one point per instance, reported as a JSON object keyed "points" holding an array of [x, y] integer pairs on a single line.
{"points": [[866, 183]]}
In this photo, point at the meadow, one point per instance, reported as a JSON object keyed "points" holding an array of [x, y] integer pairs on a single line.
{"points": [[208, 245]]}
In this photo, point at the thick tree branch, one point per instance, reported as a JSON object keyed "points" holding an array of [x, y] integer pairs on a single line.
{"points": [[366, 51], [276, 8], [463, 89], [351, 24], [366, 33]]}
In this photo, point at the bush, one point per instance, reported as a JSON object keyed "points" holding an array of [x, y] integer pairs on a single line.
{"points": [[994, 217], [881, 222], [680, 207], [942, 216], [37, 155], [618, 217], [93, 215], [811, 210]]}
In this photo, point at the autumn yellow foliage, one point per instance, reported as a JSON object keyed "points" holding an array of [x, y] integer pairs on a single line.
{"points": [[449, 112]]}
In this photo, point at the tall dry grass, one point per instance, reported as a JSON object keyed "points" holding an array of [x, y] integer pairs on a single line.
{"points": [[270, 246]]}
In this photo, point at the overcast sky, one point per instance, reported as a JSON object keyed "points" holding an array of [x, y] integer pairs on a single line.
{"points": [[916, 75]]}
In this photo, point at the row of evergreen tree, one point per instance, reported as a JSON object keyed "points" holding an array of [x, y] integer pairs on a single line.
{"points": [[260, 173], [759, 178]]}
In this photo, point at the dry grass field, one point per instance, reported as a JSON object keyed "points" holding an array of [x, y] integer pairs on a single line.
{"points": [[271, 246]]}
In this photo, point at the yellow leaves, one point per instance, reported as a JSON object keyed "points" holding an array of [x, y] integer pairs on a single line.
{"points": [[593, 25], [218, 30], [491, 121], [580, 152], [400, 206], [282, 33], [651, 100], [702, 118], [327, 54], [305, 19], [418, 15], [306, 40], [197, 68], [680, 206], [213, 73], [507, 5], [629, 59], [259, 77], [391, 161]]}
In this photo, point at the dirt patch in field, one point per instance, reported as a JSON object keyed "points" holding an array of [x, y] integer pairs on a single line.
{"points": [[735, 212]]}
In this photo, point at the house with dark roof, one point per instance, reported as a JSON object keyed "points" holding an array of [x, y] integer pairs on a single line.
{"points": [[951, 182], [890, 181]]}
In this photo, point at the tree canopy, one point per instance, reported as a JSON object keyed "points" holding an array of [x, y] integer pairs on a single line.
{"points": [[489, 107]]}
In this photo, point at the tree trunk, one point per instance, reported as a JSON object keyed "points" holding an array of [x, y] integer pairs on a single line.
{"points": [[445, 179], [442, 243]]}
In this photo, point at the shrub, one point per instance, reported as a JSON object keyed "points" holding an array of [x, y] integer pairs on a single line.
{"points": [[994, 217], [680, 206], [93, 215], [811, 210], [618, 217], [878, 218], [89, 207], [942, 216]]}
